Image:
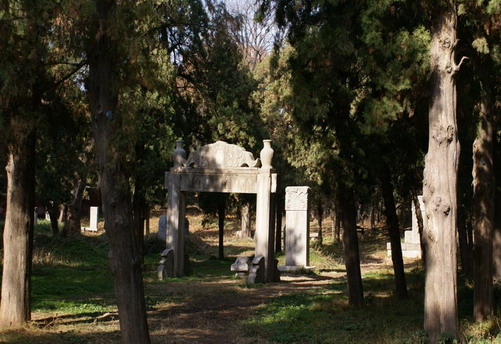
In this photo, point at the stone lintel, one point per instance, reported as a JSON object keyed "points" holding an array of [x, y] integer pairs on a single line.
{"points": [[234, 180]]}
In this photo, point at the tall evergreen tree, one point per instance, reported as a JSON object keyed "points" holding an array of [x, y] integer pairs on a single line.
{"points": [[440, 179], [24, 81]]}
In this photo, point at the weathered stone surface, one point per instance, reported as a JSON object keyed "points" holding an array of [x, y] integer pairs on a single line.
{"points": [[257, 271], [221, 155], [166, 265], [296, 198], [297, 226], [221, 167], [241, 264], [162, 227]]}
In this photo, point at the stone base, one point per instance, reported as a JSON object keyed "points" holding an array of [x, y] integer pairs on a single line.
{"points": [[166, 265], [409, 250], [291, 268], [90, 229], [252, 269]]}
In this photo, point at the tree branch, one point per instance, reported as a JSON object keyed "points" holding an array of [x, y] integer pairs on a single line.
{"points": [[458, 66], [70, 74]]}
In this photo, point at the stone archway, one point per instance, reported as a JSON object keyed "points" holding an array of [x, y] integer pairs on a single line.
{"points": [[222, 167]]}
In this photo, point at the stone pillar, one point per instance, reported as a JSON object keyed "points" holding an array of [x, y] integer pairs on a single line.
{"points": [[94, 212], [175, 222], [297, 227], [176, 207], [264, 235]]}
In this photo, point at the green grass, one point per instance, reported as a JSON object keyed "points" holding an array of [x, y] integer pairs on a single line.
{"points": [[291, 318], [70, 275]]}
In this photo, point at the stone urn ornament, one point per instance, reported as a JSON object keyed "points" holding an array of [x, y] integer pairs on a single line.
{"points": [[266, 154]]}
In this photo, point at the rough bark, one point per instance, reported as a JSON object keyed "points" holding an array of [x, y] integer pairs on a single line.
{"points": [[73, 225], [348, 217], [440, 181], [338, 227], [147, 219], [394, 234], [245, 223], [420, 223], [138, 208], [465, 244], [221, 214], [373, 216], [124, 251], [320, 214], [15, 308], [345, 200], [53, 214], [497, 217], [63, 213], [483, 212]]}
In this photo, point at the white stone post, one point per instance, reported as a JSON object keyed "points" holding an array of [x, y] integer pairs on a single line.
{"points": [[264, 236], [94, 211], [297, 226]]}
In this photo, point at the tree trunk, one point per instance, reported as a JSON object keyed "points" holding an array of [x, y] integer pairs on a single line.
{"points": [[420, 223], [497, 217], [124, 250], [483, 209], [53, 213], [337, 224], [73, 225], [63, 213], [373, 216], [138, 206], [15, 308], [147, 218], [245, 227], [394, 234], [465, 245], [440, 181], [320, 214], [221, 214], [348, 215]]}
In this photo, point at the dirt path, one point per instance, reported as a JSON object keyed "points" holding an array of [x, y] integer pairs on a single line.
{"points": [[212, 313]]}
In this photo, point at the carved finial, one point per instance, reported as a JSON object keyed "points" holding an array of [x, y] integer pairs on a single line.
{"points": [[179, 154]]}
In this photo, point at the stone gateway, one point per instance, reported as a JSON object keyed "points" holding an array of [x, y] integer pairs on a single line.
{"points": [[222, 167]]}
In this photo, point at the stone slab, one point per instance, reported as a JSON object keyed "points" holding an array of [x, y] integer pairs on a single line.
{"points": [[237, 180], [287, 268]]}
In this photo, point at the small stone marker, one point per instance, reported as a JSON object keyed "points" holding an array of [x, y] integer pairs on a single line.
{"points": [[94, 211], [256, 271], [252, 269], [241, 266], [93, 218], [162, 227], [411, 247], [166, 264], [297, 228]]}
